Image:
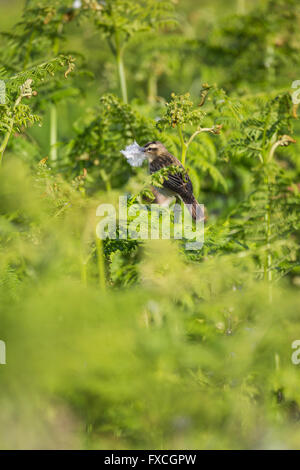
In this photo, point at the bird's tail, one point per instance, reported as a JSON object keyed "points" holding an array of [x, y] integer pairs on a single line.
{"points": [[194, 208]]}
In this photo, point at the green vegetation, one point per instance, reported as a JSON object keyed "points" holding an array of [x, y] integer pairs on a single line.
{"points": [[140, 344]]}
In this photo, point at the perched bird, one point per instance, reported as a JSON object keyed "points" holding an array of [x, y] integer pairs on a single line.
{"points": [[177, 184]]}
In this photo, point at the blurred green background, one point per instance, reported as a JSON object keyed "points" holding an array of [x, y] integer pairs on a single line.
{"points": [[141, 345]]}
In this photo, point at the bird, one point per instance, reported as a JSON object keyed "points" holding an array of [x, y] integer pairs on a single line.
{"points": [[176, 184]]}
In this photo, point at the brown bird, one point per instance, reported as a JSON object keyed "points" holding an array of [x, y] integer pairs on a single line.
{"points": [[178, 184]]}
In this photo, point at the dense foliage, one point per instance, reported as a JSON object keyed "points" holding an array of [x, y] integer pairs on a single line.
{"points": [[131, 343]]}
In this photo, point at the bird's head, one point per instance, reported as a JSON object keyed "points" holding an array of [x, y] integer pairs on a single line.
{"points": [[154, 149]]}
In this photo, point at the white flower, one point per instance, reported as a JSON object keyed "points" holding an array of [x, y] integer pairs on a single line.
{"points": [[134, 154], [77, 4]]}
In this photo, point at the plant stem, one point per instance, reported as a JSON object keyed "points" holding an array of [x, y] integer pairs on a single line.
{"points": [[152, 88], [101, 267], [11, 126], [267, 159], [183, 144], [241, 7], [121, 69], [5, 142], [212, 130], [122, 77], [53, 132], [268, 259]]}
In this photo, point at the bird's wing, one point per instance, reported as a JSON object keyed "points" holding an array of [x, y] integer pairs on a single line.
{"points": [[178, 182]]}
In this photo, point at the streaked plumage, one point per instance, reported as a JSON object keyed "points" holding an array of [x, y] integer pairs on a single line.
{"points": [[178, 184]]}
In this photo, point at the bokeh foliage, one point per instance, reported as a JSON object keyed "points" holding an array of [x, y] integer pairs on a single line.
{"points": [[140, 344]]}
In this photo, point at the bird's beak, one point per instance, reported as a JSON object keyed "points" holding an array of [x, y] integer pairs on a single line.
{"points": [[143, 149]]}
